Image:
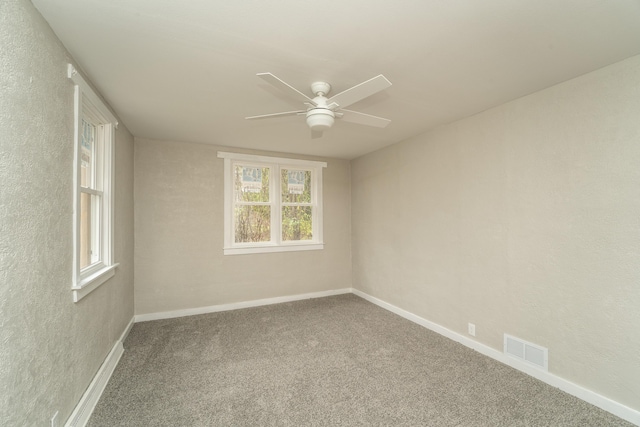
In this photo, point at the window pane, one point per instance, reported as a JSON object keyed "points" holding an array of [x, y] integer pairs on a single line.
{"points": [[251, 184], [296, 186], [96, 223], [89, 229], [85, 229], [296, 223], [252, 224], [87, 154]]}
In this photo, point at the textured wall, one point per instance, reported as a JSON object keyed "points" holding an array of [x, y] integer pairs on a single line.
{"points": [[524, 219], [50, 347], [179, 235]]}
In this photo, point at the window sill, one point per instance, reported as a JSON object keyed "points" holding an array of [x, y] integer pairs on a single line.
{"points": [[91, 283], [267, 249]]}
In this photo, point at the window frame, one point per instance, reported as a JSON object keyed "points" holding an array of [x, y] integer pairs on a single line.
{"points": [[88, 104], [276, 164]]}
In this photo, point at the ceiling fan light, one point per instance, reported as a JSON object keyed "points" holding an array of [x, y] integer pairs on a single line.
{"points": [[320, 119]]}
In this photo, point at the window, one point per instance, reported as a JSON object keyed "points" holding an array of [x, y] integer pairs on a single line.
{"points": [[271, 204], [94, 127]]}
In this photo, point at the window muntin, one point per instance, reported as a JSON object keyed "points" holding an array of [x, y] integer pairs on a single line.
{"points": [[93, 196], [272, 204]]}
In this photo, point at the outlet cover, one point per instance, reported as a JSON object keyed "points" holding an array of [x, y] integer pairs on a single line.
{"points": [[472, 329]]}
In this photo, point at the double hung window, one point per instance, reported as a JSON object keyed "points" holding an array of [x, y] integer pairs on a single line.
{"points": [[93, 195], [272, 204]]}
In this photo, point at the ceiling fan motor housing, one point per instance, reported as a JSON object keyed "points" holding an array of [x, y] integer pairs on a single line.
{"points": [[320, 119]]}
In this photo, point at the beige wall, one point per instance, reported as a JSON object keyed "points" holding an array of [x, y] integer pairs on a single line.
{"points": [[524, 219], [179, 262], [50, 347]]}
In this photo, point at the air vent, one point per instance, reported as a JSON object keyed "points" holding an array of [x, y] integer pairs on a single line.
{"points": [[526, 351]]}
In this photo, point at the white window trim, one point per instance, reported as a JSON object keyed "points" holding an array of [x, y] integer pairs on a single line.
{"points": [[89, 279], [232, 248]]}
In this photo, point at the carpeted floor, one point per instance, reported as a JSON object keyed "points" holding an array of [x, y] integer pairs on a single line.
{"points": [[336, 361]]}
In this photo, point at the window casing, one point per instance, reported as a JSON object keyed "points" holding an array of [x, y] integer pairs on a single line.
{"points": [[272, 204], [94, 125]]}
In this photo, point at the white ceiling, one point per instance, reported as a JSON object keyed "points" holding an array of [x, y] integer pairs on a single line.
{"points": [[185, 70]]}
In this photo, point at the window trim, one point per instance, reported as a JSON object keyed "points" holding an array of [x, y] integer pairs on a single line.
{"points": [[276, 163], [86, 280]]}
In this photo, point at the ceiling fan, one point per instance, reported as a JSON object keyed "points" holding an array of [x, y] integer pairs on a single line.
{"points": [[321, 111]]}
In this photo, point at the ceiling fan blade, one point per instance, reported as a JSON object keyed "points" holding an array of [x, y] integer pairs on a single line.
{"points": [[360, 91], [285, 87], [364, 119], [315, 134], [268, 116]]}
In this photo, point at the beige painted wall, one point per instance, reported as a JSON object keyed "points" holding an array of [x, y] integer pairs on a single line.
{"points": [[524, 219], [50, 347], [179, 262]]}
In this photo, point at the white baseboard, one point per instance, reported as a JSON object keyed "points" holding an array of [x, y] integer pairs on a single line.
{"points": [[83, 410], [237, 305], [126, 331], [580, 392]]}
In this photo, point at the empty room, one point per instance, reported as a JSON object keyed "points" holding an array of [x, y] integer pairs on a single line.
{"points": [[295, 213]]}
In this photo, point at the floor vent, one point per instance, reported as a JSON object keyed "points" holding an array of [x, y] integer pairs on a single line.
{"points": [[526, 351]]}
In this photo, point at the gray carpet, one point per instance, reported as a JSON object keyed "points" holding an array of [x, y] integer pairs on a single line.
{"points": [[336, 361]]}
